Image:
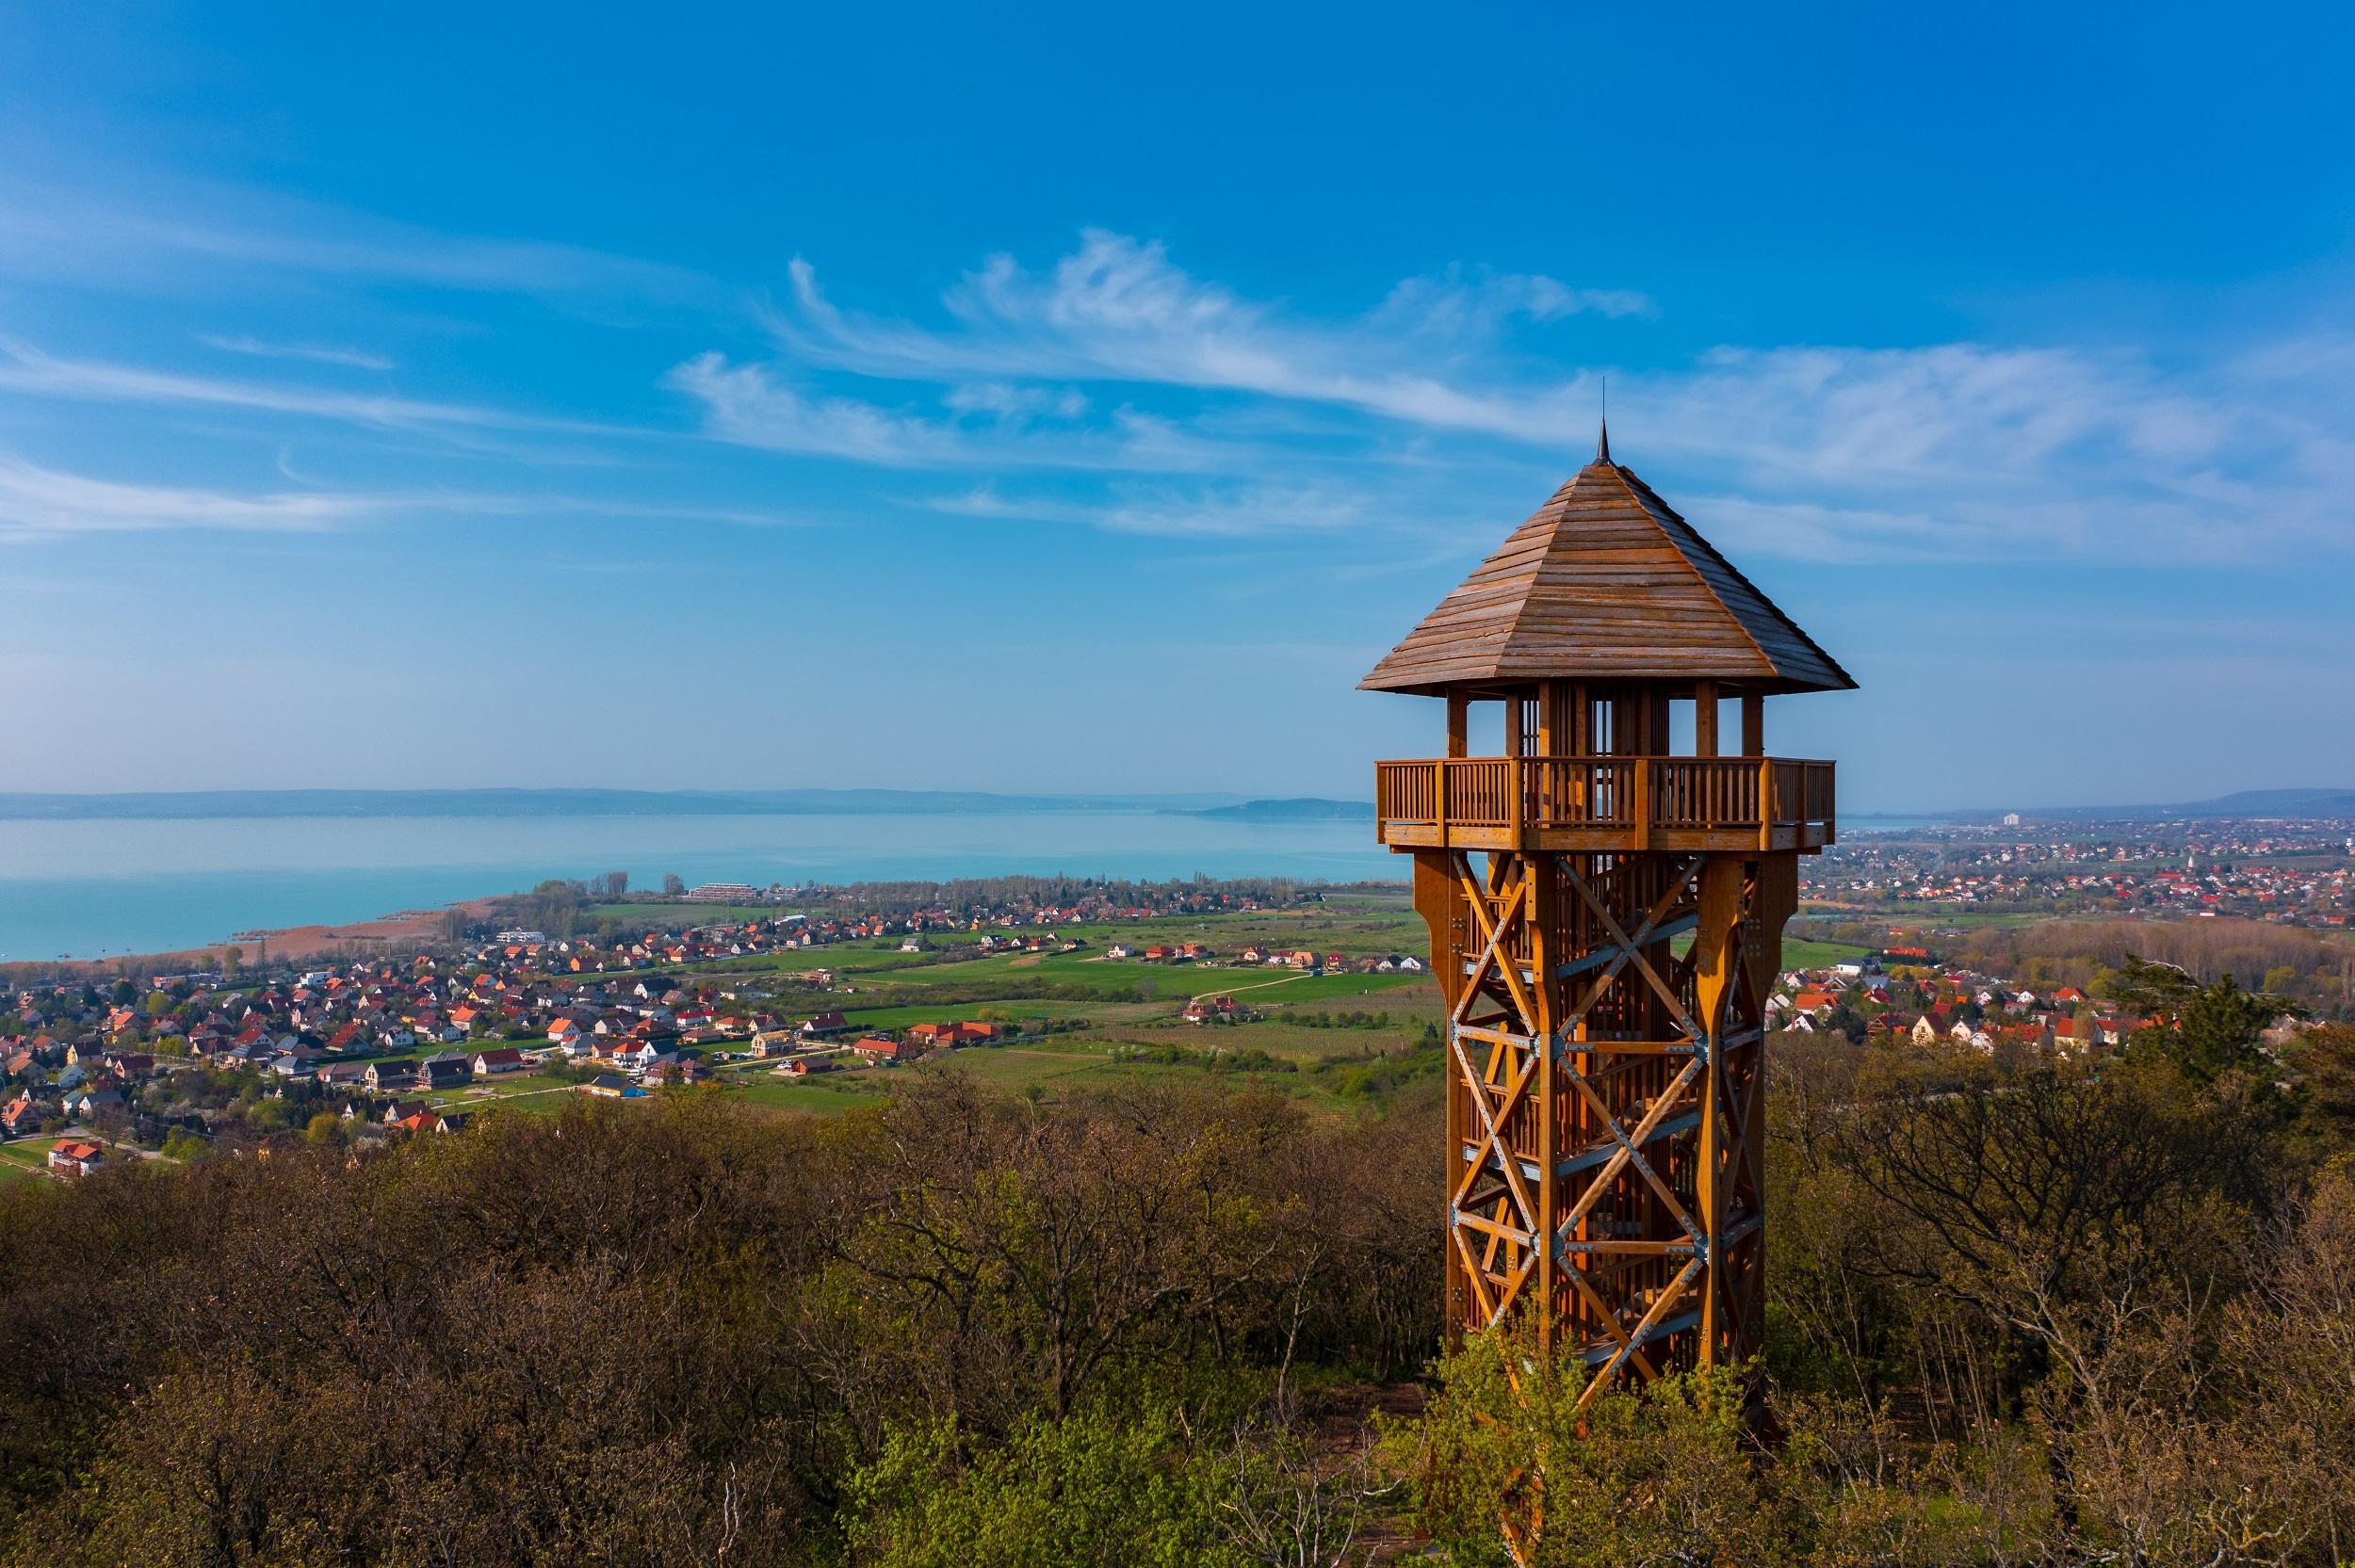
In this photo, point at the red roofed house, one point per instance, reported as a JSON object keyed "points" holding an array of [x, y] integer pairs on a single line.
{"points": [[883, 1052], [76, 1155], [506, 1058]]}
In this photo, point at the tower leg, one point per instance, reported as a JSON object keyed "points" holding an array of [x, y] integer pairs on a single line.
{"points": [[1605, 1036]]}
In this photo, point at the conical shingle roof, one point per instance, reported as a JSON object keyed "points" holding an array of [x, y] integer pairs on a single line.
{"points": [[1606, 582]]}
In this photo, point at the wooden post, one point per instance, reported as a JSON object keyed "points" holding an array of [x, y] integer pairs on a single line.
{"points": [[1704, 719], [1435, 899], [1643, 804], [1753, 724], [1713, 945], [1458, 723]]}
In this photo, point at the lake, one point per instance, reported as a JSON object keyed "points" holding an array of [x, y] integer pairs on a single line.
{"points": [[86, 889]]}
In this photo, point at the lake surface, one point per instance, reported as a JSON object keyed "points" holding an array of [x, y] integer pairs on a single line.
{"points": [[86, 889]]}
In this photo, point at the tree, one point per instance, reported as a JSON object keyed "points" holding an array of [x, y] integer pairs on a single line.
{"points": [[672, 885], [324, 1129], [2205, 1030], [2324, 1058], [1655, 1475]]}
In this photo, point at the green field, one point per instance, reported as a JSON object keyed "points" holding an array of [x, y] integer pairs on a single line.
{"points": [[485, 1092], [27, 1157], [655, 916], [1801, 954], [825, 1095]]}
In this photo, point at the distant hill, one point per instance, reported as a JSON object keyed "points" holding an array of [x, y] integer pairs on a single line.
{"points": [[2241, 805], [575, 802], [1305, 808]]}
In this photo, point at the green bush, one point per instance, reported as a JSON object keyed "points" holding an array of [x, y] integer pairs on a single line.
{"points": [[1115, 1489]]}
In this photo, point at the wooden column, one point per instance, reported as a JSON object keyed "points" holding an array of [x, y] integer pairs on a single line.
{"points": [[1436, 895], [1458, 722], [1714, 944], [1705, 718], [1753, 724]]}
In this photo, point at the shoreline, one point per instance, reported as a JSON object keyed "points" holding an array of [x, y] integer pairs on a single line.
{"points": [[294, 943]]}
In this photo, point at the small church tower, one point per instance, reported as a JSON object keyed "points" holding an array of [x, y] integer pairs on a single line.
{"points": [[1606, 902]]}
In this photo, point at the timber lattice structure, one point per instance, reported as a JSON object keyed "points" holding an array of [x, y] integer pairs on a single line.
{"points": [[1606, 917]]}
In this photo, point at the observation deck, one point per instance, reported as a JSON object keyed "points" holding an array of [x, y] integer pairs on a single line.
{"points": [[1605, 804]]}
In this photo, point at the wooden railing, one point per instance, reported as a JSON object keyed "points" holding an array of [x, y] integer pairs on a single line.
{"points": [[1484, 797]]}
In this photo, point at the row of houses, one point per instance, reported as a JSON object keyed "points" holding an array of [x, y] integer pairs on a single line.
{"points": [[1932, 1004], [1307, 959]]}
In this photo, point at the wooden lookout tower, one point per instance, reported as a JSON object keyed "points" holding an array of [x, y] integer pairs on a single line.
{"points": [[1606, 911]]}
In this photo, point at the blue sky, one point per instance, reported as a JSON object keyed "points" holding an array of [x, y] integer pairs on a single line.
{"points": [[1083, 399]]}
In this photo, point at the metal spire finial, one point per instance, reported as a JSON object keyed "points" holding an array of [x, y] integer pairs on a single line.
{"points": [[1602, 442]]}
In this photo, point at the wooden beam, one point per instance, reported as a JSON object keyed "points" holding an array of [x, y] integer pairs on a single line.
{"points": [[1753, 724], [1704, 719]]}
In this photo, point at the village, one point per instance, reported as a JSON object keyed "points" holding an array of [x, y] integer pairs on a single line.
{"points": [[2286, 873], [1902, 995], [171, 1064]]}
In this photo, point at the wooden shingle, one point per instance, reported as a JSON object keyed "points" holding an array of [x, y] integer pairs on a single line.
{"points": [[1606, 582]]}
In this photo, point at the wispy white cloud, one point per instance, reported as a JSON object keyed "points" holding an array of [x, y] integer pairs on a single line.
{"points": [[318, 354], [1018, 405], [1975, 451], [755, 405], [27, 370], [1267, 512], [36, 501], [1117, 309], [1952, 450], [42, 501], [749, 405], [1472, 305], [113, 225]]}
